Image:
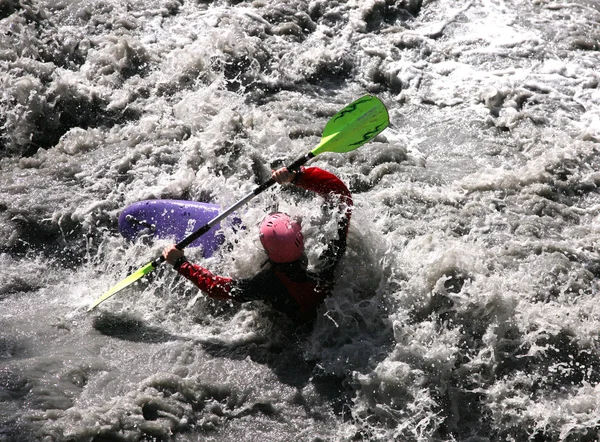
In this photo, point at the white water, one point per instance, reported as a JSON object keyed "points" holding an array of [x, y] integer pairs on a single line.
{"points": [[467, 306]]}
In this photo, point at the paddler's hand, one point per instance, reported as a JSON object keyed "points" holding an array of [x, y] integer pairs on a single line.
{"points": [[172, 254], [283, 175]]}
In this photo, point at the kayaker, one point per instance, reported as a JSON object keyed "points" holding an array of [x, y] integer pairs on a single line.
{"points": [[285, 284]]}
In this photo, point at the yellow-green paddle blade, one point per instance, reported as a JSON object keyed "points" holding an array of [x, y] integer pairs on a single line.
{"points": [[353, 126], [124, 283]]}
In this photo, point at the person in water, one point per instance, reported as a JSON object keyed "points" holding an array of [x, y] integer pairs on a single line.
{"points": [[285, 284]]}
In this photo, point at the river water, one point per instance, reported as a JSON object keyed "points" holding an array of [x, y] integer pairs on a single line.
{"points": [[466, 307]]}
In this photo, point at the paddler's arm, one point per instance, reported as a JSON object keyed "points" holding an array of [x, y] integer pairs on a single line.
{"points": [[335, 192], [325, 184], [264, 286], [216, 287]]}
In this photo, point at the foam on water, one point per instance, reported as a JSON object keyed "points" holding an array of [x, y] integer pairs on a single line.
{"points": [[466, 306]]}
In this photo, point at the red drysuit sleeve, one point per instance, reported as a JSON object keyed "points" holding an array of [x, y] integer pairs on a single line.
{"points": [[327, 185], [217, 287], [335, 192]]}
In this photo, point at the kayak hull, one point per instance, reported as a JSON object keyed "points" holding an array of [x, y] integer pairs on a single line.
{"points": [[173, 220]]}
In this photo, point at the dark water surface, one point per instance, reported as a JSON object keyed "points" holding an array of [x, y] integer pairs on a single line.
{"points": [[467, 306]]}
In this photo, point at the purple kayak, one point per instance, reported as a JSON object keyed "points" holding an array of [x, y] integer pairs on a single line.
{"points": [[174, 220]]}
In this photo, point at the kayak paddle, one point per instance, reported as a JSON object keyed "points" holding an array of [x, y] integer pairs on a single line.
{"points": [[347, 130]]}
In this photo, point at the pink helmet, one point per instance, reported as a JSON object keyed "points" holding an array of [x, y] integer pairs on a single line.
{"points": [[281, 237]]}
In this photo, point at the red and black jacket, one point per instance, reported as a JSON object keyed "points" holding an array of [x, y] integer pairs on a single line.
{"points": [[288, 288]]}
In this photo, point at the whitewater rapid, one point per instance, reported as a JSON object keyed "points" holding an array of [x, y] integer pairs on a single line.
{"points": [[466, 307]]}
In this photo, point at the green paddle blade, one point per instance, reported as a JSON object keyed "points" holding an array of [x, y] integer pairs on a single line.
{"points": [[353, 126], [124, 283]]}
